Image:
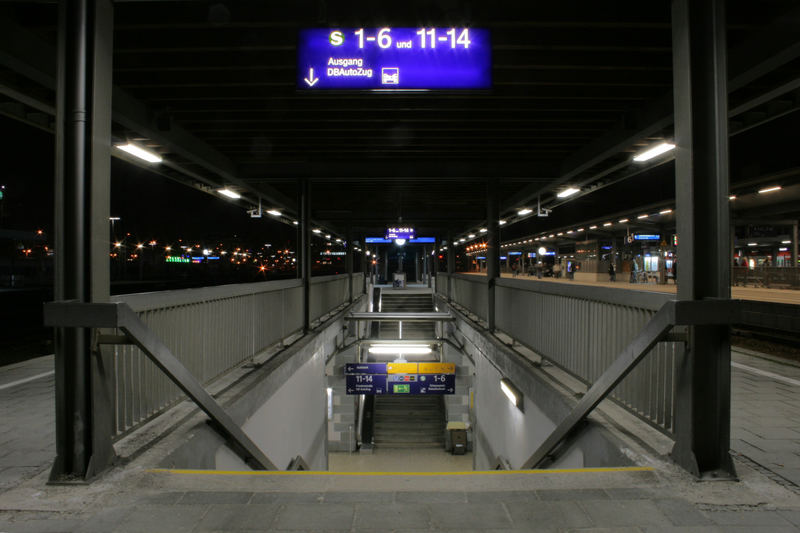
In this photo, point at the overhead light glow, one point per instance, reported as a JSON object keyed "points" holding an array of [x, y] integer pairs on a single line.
{"points": [[511, 392], [593, 227], [542, 250], [295, 222], [752, 244], [654, 152], [399, 242], [770, 189], [397, 349], [524, 211], [274, 213], [471, 236], [568, 192], [229, 193], [461, 240], [623, 220], [786, 242], [141, 153], [665, 212], [732, 197], [642, 216], [483, 230], [783, 249], [607, 224], [501, 222], [316, 230]]}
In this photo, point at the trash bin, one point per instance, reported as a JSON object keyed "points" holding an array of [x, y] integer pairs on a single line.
{"points": [[458, 437]]}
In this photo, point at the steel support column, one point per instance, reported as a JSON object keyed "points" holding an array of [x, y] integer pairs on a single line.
{"points": [[702, 418], [794, 245], [492, 250], [84, 420], [305, 249]]}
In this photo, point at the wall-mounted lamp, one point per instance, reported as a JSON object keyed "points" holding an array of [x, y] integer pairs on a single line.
{"points": [[512, 393]]}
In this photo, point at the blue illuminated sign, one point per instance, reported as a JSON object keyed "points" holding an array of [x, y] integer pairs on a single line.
{"points": [[514, 253], [394, 58], [365, 383], [643, 237], [381, 240], [405, 232]]}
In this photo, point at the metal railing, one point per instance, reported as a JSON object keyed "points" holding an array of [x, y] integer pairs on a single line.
{"points": [[211, 330], [768, 277], [582, 329]]}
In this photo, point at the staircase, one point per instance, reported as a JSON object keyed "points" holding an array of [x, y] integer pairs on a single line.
{"points": [[409, 421], [407, 303]]}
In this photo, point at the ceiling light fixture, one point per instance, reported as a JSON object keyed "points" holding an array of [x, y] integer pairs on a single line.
{"points": [[655, 151], [568, 192], [229, 193], [524, 211], [770, 189], [141, 153]]}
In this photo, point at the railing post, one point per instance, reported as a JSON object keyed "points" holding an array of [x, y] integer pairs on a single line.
{"points": [[305, 247], [451, 264], [349, 264], [702, 418], [84, 420], [492, 255]]}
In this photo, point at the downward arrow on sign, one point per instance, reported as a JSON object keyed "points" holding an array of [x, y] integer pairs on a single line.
{"points": [[311, 80]]}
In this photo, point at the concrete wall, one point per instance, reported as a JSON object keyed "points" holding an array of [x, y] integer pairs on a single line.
{"points": [[457, 406], [501, 431], [283, 409]]}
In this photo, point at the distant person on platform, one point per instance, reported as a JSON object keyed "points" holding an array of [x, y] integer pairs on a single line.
{"points": [[515, 270], [612, 272]]}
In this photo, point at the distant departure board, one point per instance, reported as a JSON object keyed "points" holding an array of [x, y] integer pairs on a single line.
{"points": [[394, 59]]}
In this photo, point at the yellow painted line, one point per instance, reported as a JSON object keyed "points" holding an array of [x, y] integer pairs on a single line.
{"points": [[326, 473]]}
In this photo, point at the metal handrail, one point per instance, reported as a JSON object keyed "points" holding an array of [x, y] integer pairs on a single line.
{"points": [[121, 316]]}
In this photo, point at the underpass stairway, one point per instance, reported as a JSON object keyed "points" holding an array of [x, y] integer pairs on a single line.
{"points": [[416, 421], [407, 303]]}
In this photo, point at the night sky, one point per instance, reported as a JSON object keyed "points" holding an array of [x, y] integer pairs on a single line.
{"points": [[150, 205]]}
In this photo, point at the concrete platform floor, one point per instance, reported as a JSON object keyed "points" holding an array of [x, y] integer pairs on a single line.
{"points": [[658, 497], [787, 296], [400, 460]]}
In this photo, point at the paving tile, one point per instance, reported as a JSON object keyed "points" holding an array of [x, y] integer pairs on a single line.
{"points": [[161, 498], [106, 520], [238, 517], [287, 497], [792, 515], [747, 518], [430, 497], [209, 497], [392, 515], [501, 496], [605, 530], [632, 493], [161, 519], [618, 513], [572, 494], [469, 515], [358, 497], [52, 525], [552, 514], [682, 513], [315, 516]]}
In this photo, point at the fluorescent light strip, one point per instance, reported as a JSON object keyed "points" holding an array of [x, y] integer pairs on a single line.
{"points": [[274, 212], [396, 349], [524, 211], [568, 192], [770, 189], [654, 152], [229, 193], [141, 153]]}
